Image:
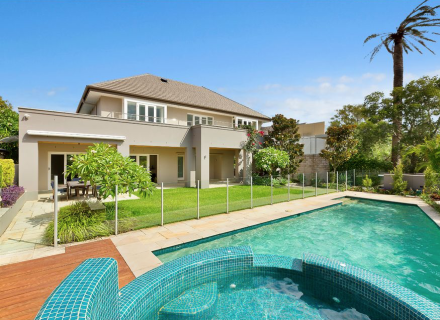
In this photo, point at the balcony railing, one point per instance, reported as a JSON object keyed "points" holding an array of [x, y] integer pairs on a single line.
{"points": [[171, 121]]}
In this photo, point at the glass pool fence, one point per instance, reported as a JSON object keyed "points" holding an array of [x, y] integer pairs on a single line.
{"points": [[185, 200]]}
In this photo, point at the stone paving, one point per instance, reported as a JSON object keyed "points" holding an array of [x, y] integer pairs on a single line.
{"points": [[23, 239]]}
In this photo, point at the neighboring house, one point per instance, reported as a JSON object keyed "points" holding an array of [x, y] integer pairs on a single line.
{"points": [[314, 138], [180, 132]]}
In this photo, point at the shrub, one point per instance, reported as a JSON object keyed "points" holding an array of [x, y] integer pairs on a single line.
{"points": [[10, 195], [431, 180], [399, 186], [367, 182], [265, 181], [271, 159], [77, 222], [8, 172]]}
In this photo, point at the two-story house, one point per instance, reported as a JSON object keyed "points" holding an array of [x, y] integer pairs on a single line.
{"points": [[180, 132]]}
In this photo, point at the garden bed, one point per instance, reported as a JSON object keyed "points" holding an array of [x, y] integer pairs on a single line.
{"points": [[9, 213]]}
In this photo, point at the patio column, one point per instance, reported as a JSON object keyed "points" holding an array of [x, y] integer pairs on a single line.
{"points": [[124, 149], [247, 164], [190, 168], [239, 156], [202, 166], [28, 158]]}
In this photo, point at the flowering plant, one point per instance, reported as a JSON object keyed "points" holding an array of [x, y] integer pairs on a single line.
{"points": [[10, 195], [252, 143]]}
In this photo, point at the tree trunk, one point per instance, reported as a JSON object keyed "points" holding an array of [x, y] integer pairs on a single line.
{"points": [[397, 83]]}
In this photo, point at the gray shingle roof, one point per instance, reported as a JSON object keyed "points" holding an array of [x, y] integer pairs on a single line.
{"points": [[152, 87]]}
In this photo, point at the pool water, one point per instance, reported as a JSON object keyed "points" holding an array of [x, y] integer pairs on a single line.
{"points": [[396, 241], [277, 297]]}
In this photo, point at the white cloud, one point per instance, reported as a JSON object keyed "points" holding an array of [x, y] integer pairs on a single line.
{"points": [[54, 91], [345, 79], [374, 76]]}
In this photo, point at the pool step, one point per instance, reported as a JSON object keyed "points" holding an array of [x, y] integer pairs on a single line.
{"points": [[282, 262], [198, 303]]}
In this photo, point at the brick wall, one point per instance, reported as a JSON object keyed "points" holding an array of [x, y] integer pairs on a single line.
{"points": [[313, 163]]}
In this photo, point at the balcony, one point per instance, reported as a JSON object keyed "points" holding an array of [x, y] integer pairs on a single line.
{"points": [[172, 121]]}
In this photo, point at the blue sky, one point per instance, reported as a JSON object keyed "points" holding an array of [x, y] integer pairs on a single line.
{"points": [[300, 58]]}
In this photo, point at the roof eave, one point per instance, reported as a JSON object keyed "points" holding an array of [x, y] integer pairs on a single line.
{"points": [[91, 87], [83, 98]]}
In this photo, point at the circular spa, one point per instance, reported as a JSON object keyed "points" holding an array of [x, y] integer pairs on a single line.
{"points": [[234, 283]]}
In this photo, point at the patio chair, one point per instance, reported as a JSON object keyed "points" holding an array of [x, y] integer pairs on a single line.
{"points": [[61, 188]]}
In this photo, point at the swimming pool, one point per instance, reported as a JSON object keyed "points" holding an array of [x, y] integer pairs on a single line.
{"points": [[396, 241]]}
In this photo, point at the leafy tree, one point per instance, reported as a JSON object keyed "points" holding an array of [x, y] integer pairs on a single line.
{"points": [[104, 166], [420, 110], [270, 159], [399, 41], [350, 114], [429, 151], [8, 127], [399, 186], [341, 145], [284, 136]]}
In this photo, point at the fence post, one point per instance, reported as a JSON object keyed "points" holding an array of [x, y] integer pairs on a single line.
{"points": [[337, 181], [316, 184], [271, 190], [116, 210], [288, 187], [327, 180], [161, 202], [354, 177], [227, 195], [252, 195], [55, 210], [303, 185], [198, 199], [346, 180]]}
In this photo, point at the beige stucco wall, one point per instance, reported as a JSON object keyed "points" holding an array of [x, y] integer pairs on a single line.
{"points": [[311, 129], [44, 149], [221, 164], [178, 116], [196, 140], [167, 161], [108, 106]]}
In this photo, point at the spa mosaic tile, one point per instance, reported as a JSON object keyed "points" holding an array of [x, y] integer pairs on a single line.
{"points": [[198, 304], [89, 292], [186, 285], [401, 302]]}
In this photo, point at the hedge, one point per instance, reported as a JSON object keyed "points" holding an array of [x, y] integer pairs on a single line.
{"points": [[8, 172]]}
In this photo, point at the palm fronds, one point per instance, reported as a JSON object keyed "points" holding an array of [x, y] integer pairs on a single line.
{"points": [[410, 31]]}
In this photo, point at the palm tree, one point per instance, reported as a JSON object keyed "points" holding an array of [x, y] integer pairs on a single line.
{"points": [[409, 32]]}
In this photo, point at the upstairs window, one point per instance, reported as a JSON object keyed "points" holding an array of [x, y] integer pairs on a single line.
{"points": [[240, 122], [142, 111], [193, 120]]}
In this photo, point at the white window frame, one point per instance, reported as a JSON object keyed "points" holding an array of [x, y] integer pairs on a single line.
{"points": [[247, 120], [49, 167], [200, 116], [137, 155], [146, 104]]}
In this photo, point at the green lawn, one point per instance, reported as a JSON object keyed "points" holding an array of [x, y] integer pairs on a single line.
{"points": [[181, 203]]}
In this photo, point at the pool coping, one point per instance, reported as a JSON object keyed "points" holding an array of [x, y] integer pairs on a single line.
{"points": [[138, 247]]}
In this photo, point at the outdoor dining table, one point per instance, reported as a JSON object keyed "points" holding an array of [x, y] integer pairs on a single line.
{"points": [[78, 185]]}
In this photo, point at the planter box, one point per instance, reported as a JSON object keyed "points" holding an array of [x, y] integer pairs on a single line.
{"points": [[7, 214]]}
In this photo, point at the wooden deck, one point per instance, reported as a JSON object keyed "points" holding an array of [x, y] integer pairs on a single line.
{"points": [[26, 285]]}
